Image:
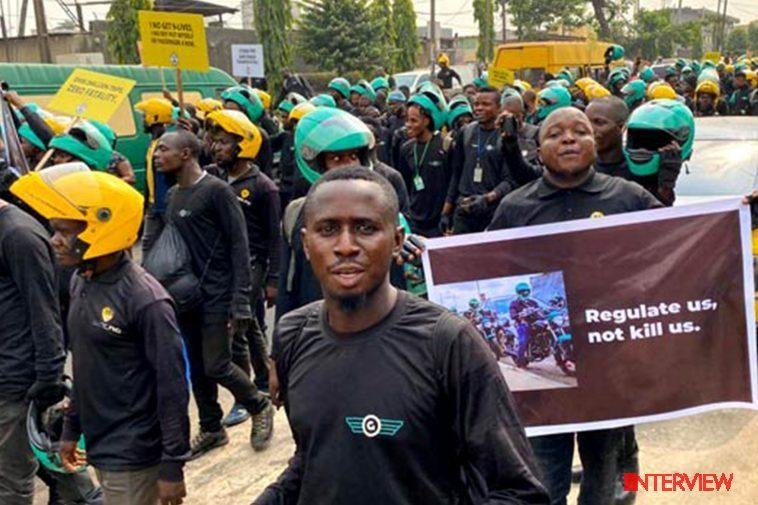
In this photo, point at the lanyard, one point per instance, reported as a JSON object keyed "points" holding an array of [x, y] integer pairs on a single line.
{"points": [[416, 163]]}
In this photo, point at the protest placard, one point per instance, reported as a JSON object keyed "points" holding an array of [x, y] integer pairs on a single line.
{"points": [[629, 318], [499, 77], [173, 39], [91, 95], [247, 60]]}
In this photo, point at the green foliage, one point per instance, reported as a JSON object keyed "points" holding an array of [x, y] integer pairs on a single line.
{"points": [[737, 41], [381, 13], [339, 35], [534, 16], [752, 36], [122, 32], [404, 18], [273, 21], [655, 35], [484, 15]]}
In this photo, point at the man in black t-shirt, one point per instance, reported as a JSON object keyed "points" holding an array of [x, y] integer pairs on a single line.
{"points": [[391, 398]]}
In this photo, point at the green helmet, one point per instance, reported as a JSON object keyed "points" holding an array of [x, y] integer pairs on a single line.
{"points": [[379, 83], [84, 142], [329, 130], [708, 74], [427, 104], [671, 71], [341, 86], [687, 69], [458, 106], [482, 81], [647, 75], [246, 99], [696, 67], [28, 134], [634, 93], [473, 303], [615, 52], [508, 94], [680, 63], [323, 100], [363, 88], [550, 99], [106, 130], [652, 126], [285, 106], [708, 64], [616, 76], [566, 75], [435, 102], [523, 286]]}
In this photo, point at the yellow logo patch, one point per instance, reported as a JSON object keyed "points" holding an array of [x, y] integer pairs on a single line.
{"points": [[106, 314], [597, 213], [245, 193]]}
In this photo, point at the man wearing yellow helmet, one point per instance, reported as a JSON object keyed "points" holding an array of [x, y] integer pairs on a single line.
{"points": [[446, 74], [707, 101], [235, 141], [206, 213], [125, 341]]}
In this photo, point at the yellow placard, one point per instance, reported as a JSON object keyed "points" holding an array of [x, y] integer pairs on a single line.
{"points": [[91, 95], [713, 56], [499, 77], [172, 39]]}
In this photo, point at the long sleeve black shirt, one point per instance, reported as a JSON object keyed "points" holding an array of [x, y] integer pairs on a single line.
{"points": [[211, 222], [258, 197], [476, 147], [130, 386], [31, 338], [413, 410]]}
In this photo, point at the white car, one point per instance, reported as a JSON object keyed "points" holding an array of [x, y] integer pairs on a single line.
{"points": [[724, 160], [413, 78]]}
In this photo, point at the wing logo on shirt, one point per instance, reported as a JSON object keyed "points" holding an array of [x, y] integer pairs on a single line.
{"points": [[372, 426]]}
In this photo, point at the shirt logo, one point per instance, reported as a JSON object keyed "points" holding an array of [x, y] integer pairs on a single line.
{"points": [[371, 426], [245, 193], [597, 213], [106, 314]]}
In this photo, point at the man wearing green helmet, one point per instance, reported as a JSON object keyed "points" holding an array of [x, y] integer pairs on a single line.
{"points": [[82, 142], [325, 139], [570, 188], [550, 99], [634, 93], [339, 88], [119, 164], [423, 164], [480, 179]]}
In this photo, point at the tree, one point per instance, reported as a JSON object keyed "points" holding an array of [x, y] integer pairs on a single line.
{"points": [[736, 41], [404, 18], [609, 16], [484, 15], [273, 21], [534, 16], [381, 14], [122, 33], [752, 36], [339, 35]]}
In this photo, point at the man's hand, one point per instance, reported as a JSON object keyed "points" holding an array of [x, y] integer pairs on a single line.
{"points": [[45, 394], [185, 124], [475, 205], [670, 165], [273, 385], [271, 294], [167, 95], [446, 224], [411, 252], [14, 99], [239, 324], [72, 457], [171, 493]]}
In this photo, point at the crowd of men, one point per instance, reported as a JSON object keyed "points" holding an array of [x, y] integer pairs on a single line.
{"points": [[303, 205]]}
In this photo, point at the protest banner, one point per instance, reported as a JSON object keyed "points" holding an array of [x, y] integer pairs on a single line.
{"points": [[173, 39], [247, 60], [499, 77], [637, 317], [91, 95], [713, 56]]}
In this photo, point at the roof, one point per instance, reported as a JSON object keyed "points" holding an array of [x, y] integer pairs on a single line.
{"points": [[193, 6]]}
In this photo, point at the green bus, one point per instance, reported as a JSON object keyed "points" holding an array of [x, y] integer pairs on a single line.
{"points": [[38, 83]]}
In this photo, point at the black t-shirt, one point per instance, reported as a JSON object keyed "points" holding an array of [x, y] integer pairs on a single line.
{"points": [[130, 386], [446, 75], [427, 196], [539, 202], [211, 223], [398, 413]]}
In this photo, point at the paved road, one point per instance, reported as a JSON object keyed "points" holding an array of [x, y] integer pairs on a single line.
{"points": [[541, 375]]}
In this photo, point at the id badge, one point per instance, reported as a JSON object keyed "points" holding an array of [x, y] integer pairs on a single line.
{"points": [[478, 174], [418, 182]]}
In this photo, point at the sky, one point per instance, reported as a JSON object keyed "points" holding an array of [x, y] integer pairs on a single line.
{"points": [[455, 14]]}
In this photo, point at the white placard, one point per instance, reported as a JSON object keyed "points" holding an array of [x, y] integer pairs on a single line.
{"points": [[247, 60]]}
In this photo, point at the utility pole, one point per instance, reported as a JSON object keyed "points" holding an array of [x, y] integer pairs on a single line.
{"points": [[502, 9], [433, 37], [42, 40], [722, 39], [5, 33], [22, 18]]}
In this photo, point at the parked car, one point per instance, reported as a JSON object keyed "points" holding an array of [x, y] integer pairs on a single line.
{"points": [[418, 76]]}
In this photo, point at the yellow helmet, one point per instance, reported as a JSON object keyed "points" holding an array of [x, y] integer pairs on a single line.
{"points": [[596, 91], [111, 208], [751, 77], [729, 68], [709, 87], [156, 111], [443, 59], [237, 123], [207, 105], [57, 124], [524, 84], [300, 110], [660, 89], [584, 82], [265, 97]]}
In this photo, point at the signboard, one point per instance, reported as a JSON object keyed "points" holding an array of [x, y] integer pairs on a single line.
{"points": [[499, 77], [713, 56], [636, 317], [172, 39], [91, 95], [247, 60]]}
